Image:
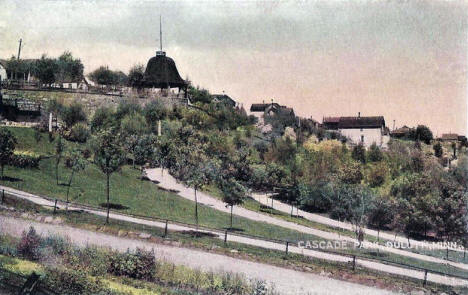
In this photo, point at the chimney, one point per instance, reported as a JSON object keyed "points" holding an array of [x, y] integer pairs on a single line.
{"points": [[359, 114], [263, 101]]}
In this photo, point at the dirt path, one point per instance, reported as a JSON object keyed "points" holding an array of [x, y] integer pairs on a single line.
{"points": [[166, 181], [285, 281], [257, 242], [278, 205]]}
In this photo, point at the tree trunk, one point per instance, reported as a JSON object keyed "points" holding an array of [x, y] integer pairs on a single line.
{"points": [[56, 170], [196, 207], [108, 201], [68, 188], [2, 170], [447, 252], [378, 235], [231, 215], [292, 210]]}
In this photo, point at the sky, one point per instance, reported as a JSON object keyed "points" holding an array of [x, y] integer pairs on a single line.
{"points": [[404, 60]]}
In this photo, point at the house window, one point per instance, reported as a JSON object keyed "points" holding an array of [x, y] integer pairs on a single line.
{"points": [[362, 138]]}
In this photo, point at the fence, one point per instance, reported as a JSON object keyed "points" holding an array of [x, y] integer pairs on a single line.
{"points": [[225, 233]]}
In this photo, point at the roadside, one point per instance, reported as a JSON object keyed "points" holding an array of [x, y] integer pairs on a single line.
{"points": [[286, 281]]}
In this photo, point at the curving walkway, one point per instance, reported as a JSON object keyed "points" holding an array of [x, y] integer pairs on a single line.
{"points": [[250, 241], [168, 182]]}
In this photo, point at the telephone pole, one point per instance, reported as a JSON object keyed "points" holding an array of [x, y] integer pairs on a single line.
{"points": [[19, 48]]}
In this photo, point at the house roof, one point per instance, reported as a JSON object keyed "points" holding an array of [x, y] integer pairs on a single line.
{"points": [[361, 122], [260, 107], [402, 130], [331, 120], [224, 98], [449, 136]]}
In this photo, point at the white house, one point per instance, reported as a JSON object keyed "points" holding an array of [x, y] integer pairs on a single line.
{"points": [[3, 73], [365, 130]]}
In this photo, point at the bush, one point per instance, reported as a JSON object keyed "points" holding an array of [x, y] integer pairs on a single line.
{"points": [[351, 174], [359, 153], [374, 154], [377, 175], [79, 133], [29, 244], [71, 282], [25, 160], [73, 114], [138, 265]]}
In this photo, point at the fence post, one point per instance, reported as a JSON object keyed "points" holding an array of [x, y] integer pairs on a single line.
{"points": [[55, 206], [425, 277], [225, 237], [165, 230], [354, 262], [287, 246]]}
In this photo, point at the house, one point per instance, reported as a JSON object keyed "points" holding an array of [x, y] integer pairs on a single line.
{"points": [[3, 73], [401, 132], [365, 130], [271, 110], [449, 137], [80, 83], [223, 98]]}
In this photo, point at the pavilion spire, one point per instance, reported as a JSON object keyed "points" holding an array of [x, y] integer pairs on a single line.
{"points": [[160, 33]]}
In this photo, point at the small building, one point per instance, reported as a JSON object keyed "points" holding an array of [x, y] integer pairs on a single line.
{"points": [[401, 132], [223, 98], [449, 137], [360, 130], [271, 110], [3, 72]]}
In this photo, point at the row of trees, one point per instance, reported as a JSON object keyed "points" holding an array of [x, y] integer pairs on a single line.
{"points": [[48, 70]]}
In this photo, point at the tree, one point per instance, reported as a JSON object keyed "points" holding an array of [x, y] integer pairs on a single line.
{"points": [[144, 149], [359, 153], [438, 150], [109, 157], [199, 95], [135, 76], [381, 214], [196, 178], [234, 193], [374, 154], [103, 118], [7, 147], [69, 68], [454, 149], [423, 133], [75, 162], [104, 76], [73, 114], [46, 70], [155, 111], [59, 148]]}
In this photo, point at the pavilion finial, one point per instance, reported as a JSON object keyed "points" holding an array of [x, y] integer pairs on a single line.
{"points": [[160, 32]]}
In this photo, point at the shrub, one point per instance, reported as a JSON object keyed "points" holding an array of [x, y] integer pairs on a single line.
{"points": [[29, 244], [377, 175], [351, 174], [359, 153], [73, 282], [73, 114], [79, 133], [438, 151], [374, 154], [25, 160], [138, 265]]}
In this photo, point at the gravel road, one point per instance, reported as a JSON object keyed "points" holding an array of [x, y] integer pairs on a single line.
{"points": [[286, 281]]}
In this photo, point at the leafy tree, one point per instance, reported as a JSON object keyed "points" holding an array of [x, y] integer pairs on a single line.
{"points": [[381, 215], [75, 162], [234, 193], [73, 114], [197, 178], [69, 69], [103, 118], [359, 153], [109, 157], [7, 147], [59, 149], [155, 111], [144, 149], [438, 150], [374, 154], [351, 173], [422, 133], [46, 70], [135, 76], [104, 76], [199, 95]]}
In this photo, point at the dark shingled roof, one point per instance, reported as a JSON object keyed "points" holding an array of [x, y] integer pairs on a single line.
{"points": [[260, 107], [161, 72], [361, 122], [449, 136]]}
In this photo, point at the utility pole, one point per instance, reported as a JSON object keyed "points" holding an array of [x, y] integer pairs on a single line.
{"points": [[19, 48]]}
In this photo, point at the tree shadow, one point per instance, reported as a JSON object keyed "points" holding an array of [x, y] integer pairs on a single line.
{"points": [[198, 234], [114, 206], [234, 229], [169, 190], [11, 179]]}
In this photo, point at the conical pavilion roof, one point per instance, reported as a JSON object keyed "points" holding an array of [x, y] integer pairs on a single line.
{"points": [[161, 72]]}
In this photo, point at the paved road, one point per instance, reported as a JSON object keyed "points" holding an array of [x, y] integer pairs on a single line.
{"points": [[286, 281], [166, 181], [256, 242]]}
